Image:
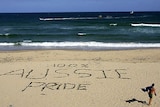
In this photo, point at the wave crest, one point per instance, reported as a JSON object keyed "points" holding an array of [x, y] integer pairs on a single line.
{"points": [[145, 25], [82, 45]]}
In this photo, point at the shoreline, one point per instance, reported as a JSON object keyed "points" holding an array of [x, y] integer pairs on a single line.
{"points": [[97, 46], [92, 50]]}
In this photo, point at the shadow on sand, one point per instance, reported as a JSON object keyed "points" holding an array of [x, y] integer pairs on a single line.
{"points": [[135, 100]]}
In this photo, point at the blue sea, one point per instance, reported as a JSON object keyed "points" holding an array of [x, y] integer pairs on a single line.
{"points": [[79, 30]]}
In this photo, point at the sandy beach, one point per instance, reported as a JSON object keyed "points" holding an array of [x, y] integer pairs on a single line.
{"points": [[69, 78]]}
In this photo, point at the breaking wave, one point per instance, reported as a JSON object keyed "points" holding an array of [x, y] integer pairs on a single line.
{"points": [[81, 45], [69, 18], [145, 25]]}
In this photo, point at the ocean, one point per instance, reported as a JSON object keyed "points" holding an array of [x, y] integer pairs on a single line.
{"points": [[79, 30]]}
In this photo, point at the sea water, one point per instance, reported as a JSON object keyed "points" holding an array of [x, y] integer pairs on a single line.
{"points": [[79, 30]]}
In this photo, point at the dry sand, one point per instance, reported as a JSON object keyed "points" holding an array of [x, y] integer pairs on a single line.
{"points": [[57, 78]]}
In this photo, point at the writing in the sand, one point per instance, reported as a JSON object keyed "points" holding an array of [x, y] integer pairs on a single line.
{"points": [[56, 86], [66, 73], [59, 72]]}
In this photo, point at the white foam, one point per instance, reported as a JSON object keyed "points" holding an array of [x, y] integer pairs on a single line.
{"points": [[81, 34], [93, 44], [46, 19], [145, 25], [113, 24], [69, 18], [6, 44], [6, 34]]}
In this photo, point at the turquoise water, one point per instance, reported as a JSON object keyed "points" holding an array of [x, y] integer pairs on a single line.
{"points": [[84, 31]]}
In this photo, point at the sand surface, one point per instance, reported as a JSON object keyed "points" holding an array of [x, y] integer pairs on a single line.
{"points": [[58, 78]]}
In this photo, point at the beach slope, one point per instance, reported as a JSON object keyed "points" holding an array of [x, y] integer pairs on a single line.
{"points": [[61, 78]]}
